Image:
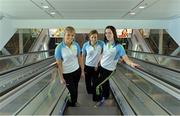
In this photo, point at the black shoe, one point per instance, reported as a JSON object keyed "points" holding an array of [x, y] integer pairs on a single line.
{"points": [[89, 92], [77, 104], [106, 96], [96, 98], [69, 104]]}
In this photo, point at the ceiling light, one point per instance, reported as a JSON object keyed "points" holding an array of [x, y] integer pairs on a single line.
{"points": [[132, 13], [141, 7], [45, 7], [52, 13]]}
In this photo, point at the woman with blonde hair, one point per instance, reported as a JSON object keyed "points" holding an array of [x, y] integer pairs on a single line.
{"points": [[68, 59]]}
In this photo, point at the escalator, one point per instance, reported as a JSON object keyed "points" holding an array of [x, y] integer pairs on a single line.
{"points": [[138, 42], [169, 45], [88, 107], [145, 94], [139, 92], [35, 89], [150, 42], [23, 41], [171, 62], [28, 38]]}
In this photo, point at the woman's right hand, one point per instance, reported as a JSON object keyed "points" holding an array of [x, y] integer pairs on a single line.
{"points": [[62, 81], [96, 68]]}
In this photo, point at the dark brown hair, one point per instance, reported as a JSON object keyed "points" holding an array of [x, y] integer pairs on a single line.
{"points": [[113, 29]]}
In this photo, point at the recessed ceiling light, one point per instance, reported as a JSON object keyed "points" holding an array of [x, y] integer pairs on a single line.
{"points": [[52, 13], [141, 7], [132, 13], [45, 6]]}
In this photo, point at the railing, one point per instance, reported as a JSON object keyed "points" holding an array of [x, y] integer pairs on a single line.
{"points": [[137, 54], [139, 42], [140, 93], [98, 86], [30, 42], [168, 45], [7, 64], [32, 89], [152, 45], [167, 75], [171, 62]]}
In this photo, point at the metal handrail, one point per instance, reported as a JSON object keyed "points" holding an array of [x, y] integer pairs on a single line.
{"points": [[12, 56], [33, 41], [27, 79], [157, 65], [21, 67], [154, 43], [98, 87], [169, 56]]}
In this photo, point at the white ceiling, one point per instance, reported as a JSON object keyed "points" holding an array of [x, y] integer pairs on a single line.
{"points": [[90, 9]]}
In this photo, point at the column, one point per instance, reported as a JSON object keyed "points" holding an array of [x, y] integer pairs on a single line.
{"points": [[161, 41]]}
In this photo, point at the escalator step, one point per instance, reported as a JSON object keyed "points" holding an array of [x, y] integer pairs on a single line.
{"points": [[92, 111]]}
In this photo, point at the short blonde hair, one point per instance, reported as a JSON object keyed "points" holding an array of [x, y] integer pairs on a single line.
{"points": [[69, 29], [93, 32]]}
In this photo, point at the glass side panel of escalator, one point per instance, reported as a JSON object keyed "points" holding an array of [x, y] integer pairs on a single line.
{"points": [[14, 61], [145, 97], [37, 98], [166, 61]]}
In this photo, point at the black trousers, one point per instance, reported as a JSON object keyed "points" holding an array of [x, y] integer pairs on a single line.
{"points": [[72, 80], [105, 92], [90, 78]]}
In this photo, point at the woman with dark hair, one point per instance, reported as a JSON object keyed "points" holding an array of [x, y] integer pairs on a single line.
{"points": [[112, 32], [112, 52]]}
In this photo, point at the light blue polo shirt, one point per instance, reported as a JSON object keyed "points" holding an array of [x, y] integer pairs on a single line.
{"points": [[68, 56], [111, 55], [91, 53]]}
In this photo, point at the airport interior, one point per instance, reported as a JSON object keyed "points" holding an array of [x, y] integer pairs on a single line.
{"points": [[30, 31]]}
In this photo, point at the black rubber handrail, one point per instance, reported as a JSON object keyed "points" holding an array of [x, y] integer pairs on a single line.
{"points": [[20, 67], [178, 58], [20, 83], [157, 77], [29, 53], [139, 69], [157, 65]]}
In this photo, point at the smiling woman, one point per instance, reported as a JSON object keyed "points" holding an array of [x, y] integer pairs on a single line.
{"points": [[85, 16], [112, 52], [68, 60], [91, 53]]}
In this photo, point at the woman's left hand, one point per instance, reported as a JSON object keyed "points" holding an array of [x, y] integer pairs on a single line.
{"points": [[82, 74], [134, 65]]}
